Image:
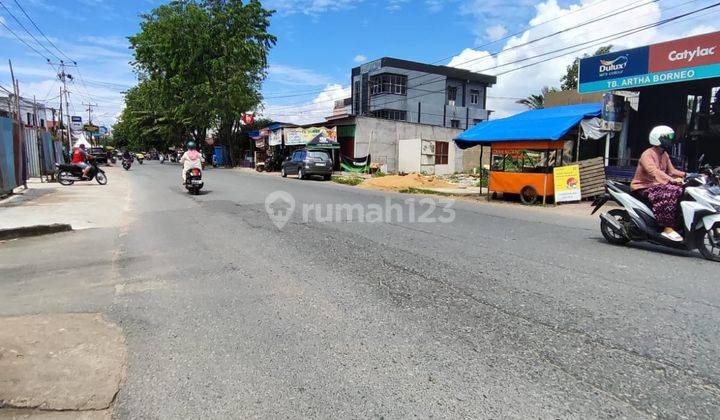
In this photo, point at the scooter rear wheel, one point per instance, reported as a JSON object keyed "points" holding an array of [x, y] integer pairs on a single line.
{"points": [[708, 243], [608, 233]]}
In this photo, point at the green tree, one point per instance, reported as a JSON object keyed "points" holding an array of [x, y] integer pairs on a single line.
{"points": [[207, 60], [569, 81]]}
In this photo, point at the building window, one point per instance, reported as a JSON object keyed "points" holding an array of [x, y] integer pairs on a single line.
{"points": [[356, 99], [390, 114], [477, 121], [29, 118], [455, 123], [474, 96], [388, 83], [451, 95], [441, 152]]}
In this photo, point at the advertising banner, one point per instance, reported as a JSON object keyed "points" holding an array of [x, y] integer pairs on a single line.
{"points": [[300, 136], [275, 138], [681, 60], [567, 183]]}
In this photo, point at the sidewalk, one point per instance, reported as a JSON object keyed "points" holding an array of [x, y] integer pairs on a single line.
{"points": [[83, 205]]}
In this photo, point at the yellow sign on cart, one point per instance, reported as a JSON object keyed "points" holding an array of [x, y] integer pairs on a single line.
{"points": [[567, 183]]}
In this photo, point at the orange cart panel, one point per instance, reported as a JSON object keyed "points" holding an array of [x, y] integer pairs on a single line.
{"points": [[513, 182]]}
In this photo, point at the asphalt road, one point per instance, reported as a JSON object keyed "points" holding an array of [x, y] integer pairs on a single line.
{"points": [[503, 312]]}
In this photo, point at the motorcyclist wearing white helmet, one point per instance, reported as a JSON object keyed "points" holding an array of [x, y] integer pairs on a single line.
{"points": [[657, 179]]}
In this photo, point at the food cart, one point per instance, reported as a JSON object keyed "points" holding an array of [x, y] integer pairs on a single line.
{"points": [[524, 168], [524, 148]]}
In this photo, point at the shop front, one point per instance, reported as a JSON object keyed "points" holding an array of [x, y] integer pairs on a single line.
{"points": [[674, 83]]}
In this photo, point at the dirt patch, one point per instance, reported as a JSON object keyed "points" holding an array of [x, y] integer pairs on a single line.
{"points": [[59, 362], [402, 182]]}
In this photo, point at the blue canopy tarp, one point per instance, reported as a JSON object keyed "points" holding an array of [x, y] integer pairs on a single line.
{"points": [[537, 124]]}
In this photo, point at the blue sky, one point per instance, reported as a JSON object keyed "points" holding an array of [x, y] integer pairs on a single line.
{"points": [[319, 41]]}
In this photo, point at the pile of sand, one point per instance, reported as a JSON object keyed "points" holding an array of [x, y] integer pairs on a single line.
{"points": [[401, 182]]}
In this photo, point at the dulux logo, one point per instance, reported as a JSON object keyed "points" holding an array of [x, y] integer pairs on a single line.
{"points": [[618, 64]]}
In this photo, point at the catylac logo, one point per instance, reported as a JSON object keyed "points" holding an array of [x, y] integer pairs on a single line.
{"points": [[613, 67]]}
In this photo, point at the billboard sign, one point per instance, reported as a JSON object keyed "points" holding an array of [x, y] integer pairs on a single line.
{"points": [[76, 123], [681, 60]]}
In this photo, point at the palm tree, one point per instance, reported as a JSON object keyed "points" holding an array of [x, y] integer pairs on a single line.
{"points": [[536, 101]]}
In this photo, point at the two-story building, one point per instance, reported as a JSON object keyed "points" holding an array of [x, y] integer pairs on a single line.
{"points": [[408, 91]]}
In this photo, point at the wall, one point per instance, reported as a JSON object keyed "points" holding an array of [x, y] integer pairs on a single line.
{"points": [[471, 158], [409, 158], [381, 137], [571, 97]]}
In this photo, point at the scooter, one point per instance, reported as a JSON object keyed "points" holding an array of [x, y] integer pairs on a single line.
{"points": [[67, 174], [700, 214], [193, 180], [161, 158]]}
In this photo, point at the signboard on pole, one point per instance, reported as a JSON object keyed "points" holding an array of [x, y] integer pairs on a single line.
{"points": [[567, 183], [612, 112], [76, 123], [681, 60]]}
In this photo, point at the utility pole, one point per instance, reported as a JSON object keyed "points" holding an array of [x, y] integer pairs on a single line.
{"points": [[89, 111], [64, 77], [16, 89]]}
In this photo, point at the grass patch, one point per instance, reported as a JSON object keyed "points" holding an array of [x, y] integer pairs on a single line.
{"points": [[379, 174], [424, 191], [347, 180]]}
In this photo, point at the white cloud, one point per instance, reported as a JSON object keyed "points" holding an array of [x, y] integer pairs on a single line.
{"points": [[434, 6], [296, 76], [496, 32], [107, 41], [309, 7], [548, 71], [360, 58], [310, 112], [395, 5]]}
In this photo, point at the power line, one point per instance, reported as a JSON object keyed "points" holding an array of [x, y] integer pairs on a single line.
{"points": [[27, 31], [42, 33], [583, 45], [22, 40], [480, 46]]}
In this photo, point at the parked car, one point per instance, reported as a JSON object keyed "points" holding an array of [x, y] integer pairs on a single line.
{"points": [[99, 154], [305, 163]]}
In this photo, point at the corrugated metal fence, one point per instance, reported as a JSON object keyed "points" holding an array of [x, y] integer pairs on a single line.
{"points": [[32, 154], [7, 157]]}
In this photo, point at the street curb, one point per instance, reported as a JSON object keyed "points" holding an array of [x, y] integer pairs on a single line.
{"points": [[36, 230]]}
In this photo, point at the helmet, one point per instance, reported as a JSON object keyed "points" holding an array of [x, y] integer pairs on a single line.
{"points": [[191, 145], [82, 145], [662, 136]]}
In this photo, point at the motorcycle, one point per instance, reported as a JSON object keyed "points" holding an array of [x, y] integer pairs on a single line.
{"points": [[161, 158], [635, 221], [193, 181], [127, 163], [140, 157], [68, 174]]}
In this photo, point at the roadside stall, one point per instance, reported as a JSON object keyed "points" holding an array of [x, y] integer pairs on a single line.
{"points": [[526, 149]]}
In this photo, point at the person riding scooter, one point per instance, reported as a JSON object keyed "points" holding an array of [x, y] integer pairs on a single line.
{"points": [[79, 159], [191, 159], [657, 179]]}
